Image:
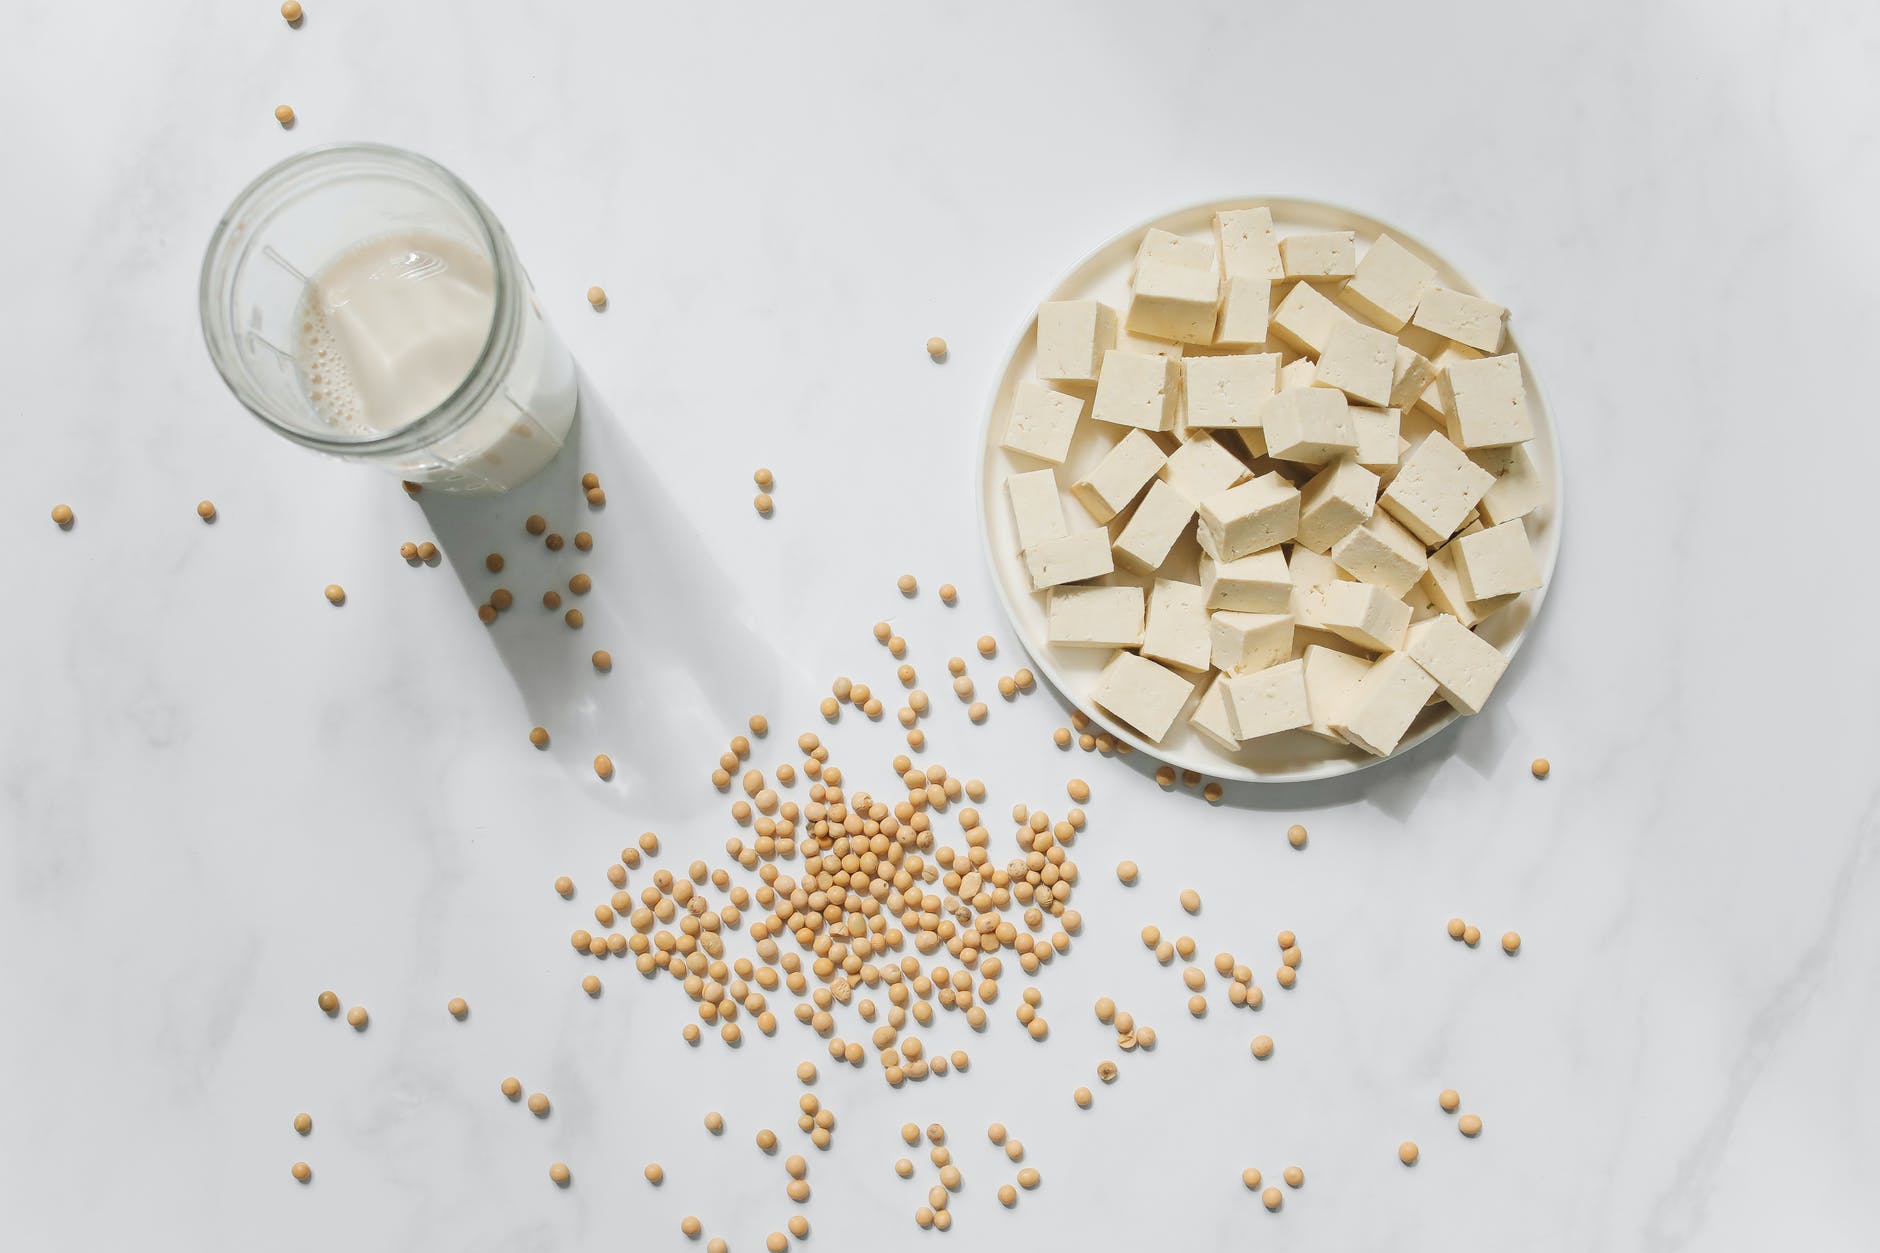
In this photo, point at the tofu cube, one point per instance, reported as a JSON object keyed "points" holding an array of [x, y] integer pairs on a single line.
{"points": [[1069, 558], [1465, 666], [1247, 244], [1201, 467], [1254, 516], [1172, 301], [1365, 614], [1310, 425], [1153, 529], [1435, 489], [1443, 585], [1265, 702], [1137, 389], [1497, 562], [1177, 630], [1359, 361], [1145, 695], [1331, 678], [1384, 704], [1256, 584], [1211, 717], [1228, 391], [1073, 335], [1036, 507], [1248, 641], [1382, 552], [1245, 303], [1466, 319], [1160, 247], [1297, 374], [1410, 377], [1334, 502], [1379, 439], [1431, 403], [1517, 490], [1114, 481], [1388, 283], [1485, 402], [1305, 318], [1421, 606], [1333, 254], [1094, 617], [1308, 572], [1042, 421]]}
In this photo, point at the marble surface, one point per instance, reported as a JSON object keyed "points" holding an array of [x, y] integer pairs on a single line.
{"points": [[218, 795]]}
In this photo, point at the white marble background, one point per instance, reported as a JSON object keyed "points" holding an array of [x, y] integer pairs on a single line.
{"points": [[218, 795]]}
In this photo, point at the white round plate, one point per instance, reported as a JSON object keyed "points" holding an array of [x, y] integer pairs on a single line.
{"points": [[1292, 755]]}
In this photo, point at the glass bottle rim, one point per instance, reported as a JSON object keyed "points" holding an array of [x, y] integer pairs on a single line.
{"points": [[220, 333]]}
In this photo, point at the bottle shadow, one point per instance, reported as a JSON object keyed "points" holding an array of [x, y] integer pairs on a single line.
{"points": [[661, 603]]}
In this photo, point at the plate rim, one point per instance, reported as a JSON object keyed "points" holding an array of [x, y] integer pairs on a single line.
{"points": [[1331, 767]]}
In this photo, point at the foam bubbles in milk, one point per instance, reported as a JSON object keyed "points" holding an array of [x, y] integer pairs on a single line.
{"points": [[389, 328]]}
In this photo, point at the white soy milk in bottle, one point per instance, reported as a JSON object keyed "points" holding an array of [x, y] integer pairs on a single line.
{"points": [[362, 301], [391, 327]]}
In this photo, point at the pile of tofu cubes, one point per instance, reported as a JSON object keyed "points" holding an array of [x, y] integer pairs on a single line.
{"points": [[1345, 439]]}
